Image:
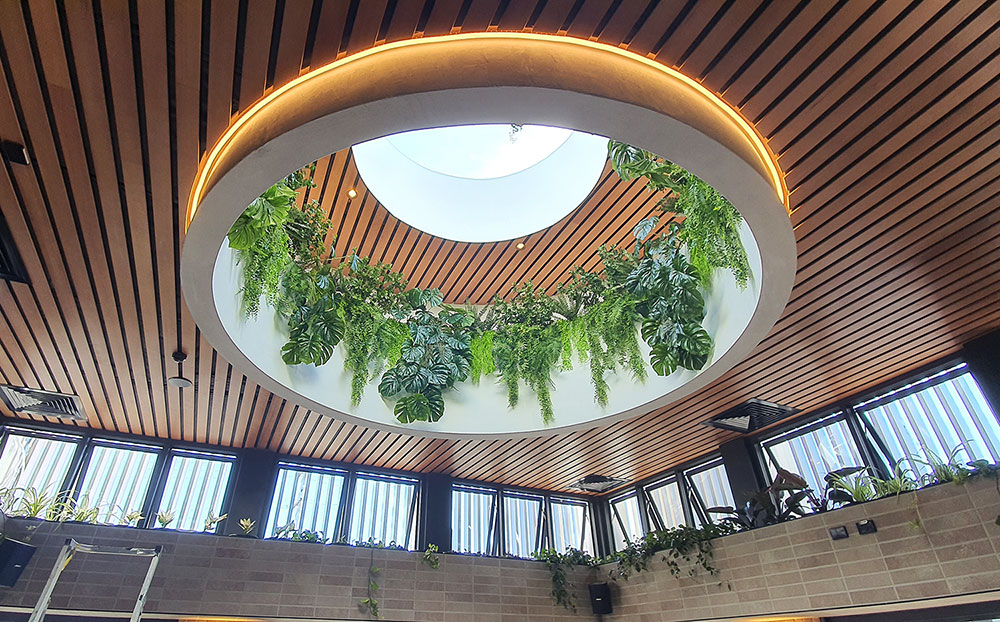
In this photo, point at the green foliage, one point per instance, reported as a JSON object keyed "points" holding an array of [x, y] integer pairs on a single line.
{"points": [[430, 557], [481, 349], [678, 544], [711, 228], [557, 563]]}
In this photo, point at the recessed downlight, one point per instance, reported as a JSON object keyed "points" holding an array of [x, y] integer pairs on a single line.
{"points": [[352, 193]]}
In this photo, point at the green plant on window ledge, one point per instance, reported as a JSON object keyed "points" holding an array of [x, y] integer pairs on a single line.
{"points": [[419, 348]]}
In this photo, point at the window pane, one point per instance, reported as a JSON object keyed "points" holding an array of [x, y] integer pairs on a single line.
{"points": [[31, 462], [570, 527], [666, 499], [382, 510], [815, 453], [305, 499], [522, 516], [626, 525], [116, 481], [195, 488], [712, 487], [473, 516], [935, 421]]}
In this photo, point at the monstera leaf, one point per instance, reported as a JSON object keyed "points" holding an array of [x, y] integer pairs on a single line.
{"points": [[694, 339], [690, 360], [428, 406], [663, 359], [314, 335], [245, 232]]}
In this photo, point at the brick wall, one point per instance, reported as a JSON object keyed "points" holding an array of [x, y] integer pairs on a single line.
{"points": [[202, 574], [796, 568], [793, 568]]}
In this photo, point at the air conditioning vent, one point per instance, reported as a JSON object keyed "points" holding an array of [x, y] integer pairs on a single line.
{"points": [[11, 266], [598, 483], [751, 415], [45, 403]]}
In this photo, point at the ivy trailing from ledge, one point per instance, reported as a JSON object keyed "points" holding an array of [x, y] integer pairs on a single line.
{"points": [[419, 349]]}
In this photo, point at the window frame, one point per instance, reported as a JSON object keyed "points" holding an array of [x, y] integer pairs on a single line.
{"points": [[413, 522], [29, 432], [156, 477], [164, 476]]}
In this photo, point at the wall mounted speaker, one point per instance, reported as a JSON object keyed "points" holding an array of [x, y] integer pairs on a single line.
{"points": [[600, 598], [14, 556]]}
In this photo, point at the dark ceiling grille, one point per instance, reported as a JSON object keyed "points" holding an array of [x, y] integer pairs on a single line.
{"points": [[27, 401], [751, 415], [11, 266], [597, 483]]}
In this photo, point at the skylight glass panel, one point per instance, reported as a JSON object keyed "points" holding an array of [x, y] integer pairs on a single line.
{"points": [[306, 498], [570, 526], [195, 489], [117, 479], [33, 462], [522, 524], [665, 500], [383, 510], [626, 522], [473, 520], [939, 418]]}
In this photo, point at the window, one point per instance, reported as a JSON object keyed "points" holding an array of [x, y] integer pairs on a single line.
{"points": [[117, 479], [626, 524], [306, 498], [196, 488], [665, 507], [570, 525], [814, 450], [709, 487], [931, 419], [522, 519], [473, 520], [383, 509], [37, 462]]}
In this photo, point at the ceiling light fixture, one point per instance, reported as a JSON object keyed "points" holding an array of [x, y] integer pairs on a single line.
{"points": [[520, 245], [179, 381], [352, 193]]}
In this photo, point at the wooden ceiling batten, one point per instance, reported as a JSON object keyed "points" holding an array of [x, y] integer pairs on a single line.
{"points": [[881, 115]]}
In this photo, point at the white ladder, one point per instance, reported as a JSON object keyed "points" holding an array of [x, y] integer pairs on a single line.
{"points": [[73, 547]]}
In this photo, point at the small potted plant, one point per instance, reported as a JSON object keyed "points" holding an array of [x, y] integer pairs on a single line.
{"points": [[212, 520], [164, 518], [247, 527]]}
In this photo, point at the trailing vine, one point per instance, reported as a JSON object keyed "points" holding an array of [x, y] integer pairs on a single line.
{"points": [[419, 349]]}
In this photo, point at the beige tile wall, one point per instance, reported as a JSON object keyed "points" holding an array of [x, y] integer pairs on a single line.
{"points": [[792, 568]]}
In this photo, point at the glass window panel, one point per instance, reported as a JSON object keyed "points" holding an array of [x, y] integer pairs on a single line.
{"points": [[473, 520], [522, 517], [382, 510], [195, 488], [117, 480], [626, 524], [33, 462], [570, 526], [712, 486], [934, 422], [305, 499], [666, 499], [815, 453]]}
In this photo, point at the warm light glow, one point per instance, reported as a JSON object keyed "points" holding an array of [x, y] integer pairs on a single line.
{"points": [[520, 245], [352, 193], [756, 141]]}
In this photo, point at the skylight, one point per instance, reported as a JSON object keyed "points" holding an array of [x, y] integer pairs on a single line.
{"points": [[482, 183]]}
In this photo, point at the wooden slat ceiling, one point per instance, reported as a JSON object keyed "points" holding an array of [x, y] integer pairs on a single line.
{"points": [[883, 114]]}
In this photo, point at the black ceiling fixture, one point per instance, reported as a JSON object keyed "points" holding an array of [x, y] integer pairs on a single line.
{"points": [[179, 381], [751, 415], [597, 483], [14, 152], [11, 266], [27, 401]]}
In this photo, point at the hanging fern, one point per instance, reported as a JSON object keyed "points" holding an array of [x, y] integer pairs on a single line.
{"points": [[483, 363]]}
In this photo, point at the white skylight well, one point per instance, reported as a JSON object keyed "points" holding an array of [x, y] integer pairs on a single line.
{"points": [[482, 183]]}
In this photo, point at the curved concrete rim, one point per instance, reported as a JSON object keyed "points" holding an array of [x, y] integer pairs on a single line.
{"points": [[484, 78]]}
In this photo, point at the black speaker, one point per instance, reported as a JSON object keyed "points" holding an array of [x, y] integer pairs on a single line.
{"points": [[14, 556], [600, 598]]}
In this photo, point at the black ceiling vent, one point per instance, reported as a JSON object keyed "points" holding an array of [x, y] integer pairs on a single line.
{"points": [[751, 415], [45, 403], [598, 483], [11, 266]]}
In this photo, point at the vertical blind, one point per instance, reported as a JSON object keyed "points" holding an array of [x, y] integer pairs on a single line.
{"points": [[306, 499], [626, 523], [827, 445], [665, 500], [195, 489], [570, 526], [948, 416], [383, 509], [117, 480], [711, 484], [473, 511], [522, 524], [32, 462]]}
